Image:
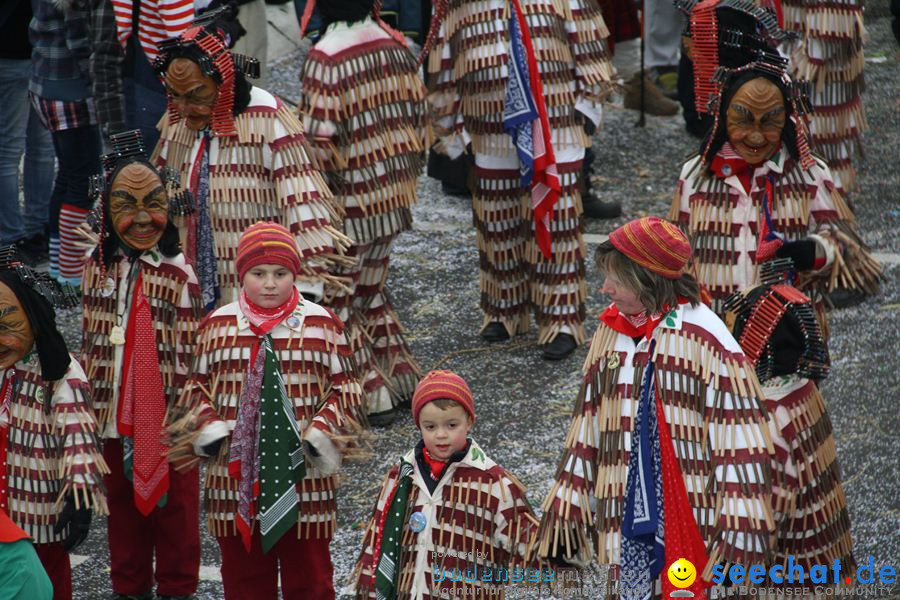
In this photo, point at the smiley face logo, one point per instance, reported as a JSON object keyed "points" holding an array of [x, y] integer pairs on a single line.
{"points": [[682, 573]]}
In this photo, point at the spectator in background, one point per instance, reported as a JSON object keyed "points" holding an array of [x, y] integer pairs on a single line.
{"points": [[123, 46], [663, 24], [21, 131], [60, 91]]}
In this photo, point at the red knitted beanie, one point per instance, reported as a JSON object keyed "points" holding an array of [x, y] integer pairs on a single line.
{"points": [[267, 243], [442, 384], [655, 244]]}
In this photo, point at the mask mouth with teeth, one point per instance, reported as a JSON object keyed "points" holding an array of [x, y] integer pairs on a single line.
{"points": [[741, 80], [135, 203], [138, 206], [755, 120]]}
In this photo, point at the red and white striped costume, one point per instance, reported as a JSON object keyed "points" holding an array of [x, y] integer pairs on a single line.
{"points": [[51, 445], [49, 452], [170, 287], [714, 411], [158, 20], [829, 54], [812, 522], [477, 518], [363, 107], [723, 221], [470, 62], [317, 368], [264, 173]]}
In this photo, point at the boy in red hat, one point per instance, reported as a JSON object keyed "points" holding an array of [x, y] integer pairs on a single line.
{"points": [[275, 403], [423, 534]]}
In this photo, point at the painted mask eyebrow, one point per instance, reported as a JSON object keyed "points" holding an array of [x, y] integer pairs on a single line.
{"points": [[125, 194]]}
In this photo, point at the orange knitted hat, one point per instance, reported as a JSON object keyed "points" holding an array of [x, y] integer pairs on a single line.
{"points": [[267, 243], [655, 244], [442, 384]]}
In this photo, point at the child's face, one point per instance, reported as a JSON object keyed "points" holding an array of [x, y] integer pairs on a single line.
{"points": [[268, 286], [444, 430]]}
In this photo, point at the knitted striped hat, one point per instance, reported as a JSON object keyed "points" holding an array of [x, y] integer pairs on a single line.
{"points": [[267, 243], [442, 384], [654, 244]]}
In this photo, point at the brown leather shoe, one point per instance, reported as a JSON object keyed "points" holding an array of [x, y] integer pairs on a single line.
{"points": [[655, 102]]}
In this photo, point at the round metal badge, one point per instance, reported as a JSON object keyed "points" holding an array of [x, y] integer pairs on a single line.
{"points": [[417, 522]]}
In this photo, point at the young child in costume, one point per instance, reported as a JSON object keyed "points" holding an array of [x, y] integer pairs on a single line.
{"points": [[243, 155], [372, 148], [497, 63], [776, 327], [274, 380], [755, 192], [668, 452], [141, 313], [445, 509], [50, 463]]}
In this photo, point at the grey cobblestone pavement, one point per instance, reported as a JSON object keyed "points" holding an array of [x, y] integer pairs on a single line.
{"points": [[523, 403]]}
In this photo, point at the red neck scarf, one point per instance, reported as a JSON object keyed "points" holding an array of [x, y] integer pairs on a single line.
{"points": [[263, 320], [640, 325], [436, 465], [728, 162]]}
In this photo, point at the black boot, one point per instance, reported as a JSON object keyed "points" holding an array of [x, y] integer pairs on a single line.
{"points": [[562, 346], [595, 208], [495, 332]]}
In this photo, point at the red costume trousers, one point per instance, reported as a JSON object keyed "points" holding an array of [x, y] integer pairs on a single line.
{"points": [[172, 532], [56, 562], [306, 570]]}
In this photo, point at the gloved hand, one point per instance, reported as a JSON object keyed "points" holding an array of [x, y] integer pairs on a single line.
{"points": [[802, 252], [78, 520], [212, 448]]}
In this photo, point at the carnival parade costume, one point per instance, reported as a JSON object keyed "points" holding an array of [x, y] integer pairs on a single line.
{"points": [[141, 312], [275, 402], [740, 214], [251, 163], [363, 108], [829, 54], [51, 467], [459, 527], [668, 451], [490, 60], [776, 326]]}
